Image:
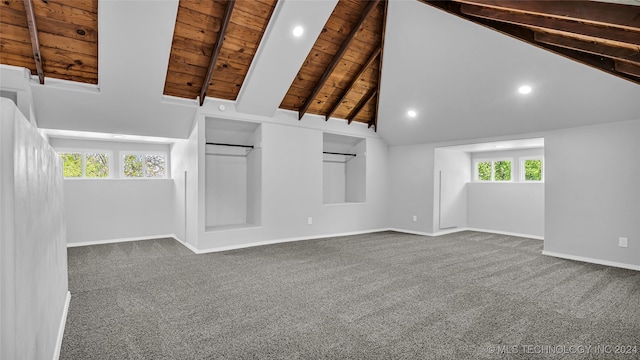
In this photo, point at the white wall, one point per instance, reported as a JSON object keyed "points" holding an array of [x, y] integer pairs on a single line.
{"points": [[593, 192], [451, 175], [334, 179], [507, 207], [116, 208], [292, 184], [512, 207], [412, 187], [184, 172], [226, 188], [33, 266]]}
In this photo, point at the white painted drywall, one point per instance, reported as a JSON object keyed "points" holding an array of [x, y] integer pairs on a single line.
{"points": [[116, 208], [356, 170], [512, 207], [506, 207], [334, 179], [184, 171], [33, 266], [412, 187], [292, 183], [451, 175], [226, 187], [112, 209], [591, 192]]}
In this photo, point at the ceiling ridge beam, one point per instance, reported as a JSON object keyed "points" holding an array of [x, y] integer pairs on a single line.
{"points": [[384, 27], [35, 43], [363, 101], [336, 59], [346, 91], [614, 52], [216, 51], [573, 26], [608, 14]]}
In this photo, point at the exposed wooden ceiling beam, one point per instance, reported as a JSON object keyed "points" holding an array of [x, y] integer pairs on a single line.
{"points": [[364, 67], [365, 99], [527, 35], [628, 68], [384, 27], [596, 48], [216, 51], [620, 15], [336, 59], [35, 43], [554, 23]]}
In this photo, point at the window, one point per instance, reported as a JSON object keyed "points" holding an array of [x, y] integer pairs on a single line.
{"points": [[493, 170], [85, 164], [532, 169], [137, 165]]}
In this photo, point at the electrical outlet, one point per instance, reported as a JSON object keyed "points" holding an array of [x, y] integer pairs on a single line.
{"points": [[309, 220], [415, 217], [623, 242]]}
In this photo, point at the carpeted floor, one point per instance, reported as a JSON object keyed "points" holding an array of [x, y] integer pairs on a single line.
{"points": [[387, 295]]}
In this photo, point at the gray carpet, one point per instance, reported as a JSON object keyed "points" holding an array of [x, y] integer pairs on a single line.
{"points": [[377, 296]]}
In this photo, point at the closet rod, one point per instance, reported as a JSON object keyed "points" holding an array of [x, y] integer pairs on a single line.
{"points": [[219, 144], [333, 153]]}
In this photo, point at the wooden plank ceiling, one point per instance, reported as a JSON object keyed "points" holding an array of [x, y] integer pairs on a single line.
{"points": [[195, 40], [603, 35], [67, 31], [339, 77]]}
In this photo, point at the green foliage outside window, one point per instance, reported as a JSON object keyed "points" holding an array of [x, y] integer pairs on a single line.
{"points": [[96, 165], [71, 164], [533, 170], [502, 170], [132, 165], [155, 166], [484, 171]]}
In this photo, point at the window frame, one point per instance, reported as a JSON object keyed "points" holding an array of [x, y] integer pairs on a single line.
{"points": [[522, 169], [123, 153], [83, 161], [476, 173]]}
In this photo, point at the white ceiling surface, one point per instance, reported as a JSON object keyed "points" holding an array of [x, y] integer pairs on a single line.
{"points": [[532, 143], [462, 80], [280, 54], [134, 46]]}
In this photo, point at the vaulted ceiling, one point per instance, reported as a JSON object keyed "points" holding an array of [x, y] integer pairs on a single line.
{"points": [[215, 45]]}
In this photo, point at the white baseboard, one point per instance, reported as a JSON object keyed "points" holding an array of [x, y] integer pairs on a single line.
{"points": [[278, 241], [591, 260], [529, 236], [112, 241], [456, 230], [63, 322]]}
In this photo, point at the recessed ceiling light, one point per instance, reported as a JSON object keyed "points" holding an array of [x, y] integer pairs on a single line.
{"points": [[298, 31], [412, 113], [524, 89]]}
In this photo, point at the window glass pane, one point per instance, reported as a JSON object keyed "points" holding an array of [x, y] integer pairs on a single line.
{"points": [[502, 170], [155, 166], [533, 170], [71, 164], [132, 165], [96, 165], [484, 171]]}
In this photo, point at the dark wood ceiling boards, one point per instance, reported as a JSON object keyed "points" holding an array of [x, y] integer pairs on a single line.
{"points": [[67, 31], [602, 35], [350, 89], [195, 37]]}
